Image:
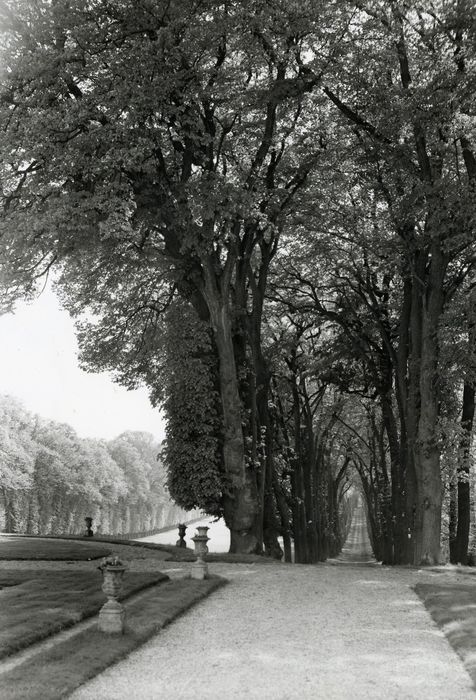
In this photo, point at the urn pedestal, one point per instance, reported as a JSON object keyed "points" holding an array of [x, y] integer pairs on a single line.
{"points": [[200, 567], [112, 613]]}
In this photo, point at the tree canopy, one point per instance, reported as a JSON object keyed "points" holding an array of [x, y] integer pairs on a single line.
{"points": [[51, 479]]}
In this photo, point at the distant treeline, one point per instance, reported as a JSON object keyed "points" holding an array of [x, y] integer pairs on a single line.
{"points": [[51, 479]]}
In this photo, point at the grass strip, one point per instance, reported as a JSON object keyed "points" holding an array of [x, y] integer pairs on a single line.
{"points": [[33, 548], [177, 554], [453, 608], [36, 604], [227, 558], [56, 672]]}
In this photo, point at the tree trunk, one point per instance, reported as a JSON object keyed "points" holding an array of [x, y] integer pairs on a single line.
{"points": [[241, 510], [467, 420], [301, 552], [426, 451], [283, 511], [270, 517], [407, 403], [464, 496], [399, 521], [453, 521]]}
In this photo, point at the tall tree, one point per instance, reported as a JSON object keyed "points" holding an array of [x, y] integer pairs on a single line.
{"points": [[147, 131], [408, 104]]}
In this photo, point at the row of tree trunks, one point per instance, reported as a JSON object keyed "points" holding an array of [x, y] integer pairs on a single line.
{"points": [[426, 225]]}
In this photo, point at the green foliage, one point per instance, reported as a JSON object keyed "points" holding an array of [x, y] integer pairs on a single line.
{"points": [[192, 451], [17, 448], [158, 141], [51, 479]]}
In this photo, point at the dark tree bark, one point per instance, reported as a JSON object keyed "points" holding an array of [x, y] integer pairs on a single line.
{"points": [[463, 490], [460, 506]]}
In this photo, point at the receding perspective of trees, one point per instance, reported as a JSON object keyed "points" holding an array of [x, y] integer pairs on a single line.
{"points": [[50, 479], [264, 211]]}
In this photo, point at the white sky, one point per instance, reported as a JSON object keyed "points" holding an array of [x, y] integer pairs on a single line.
{"points": [[38, 365]]}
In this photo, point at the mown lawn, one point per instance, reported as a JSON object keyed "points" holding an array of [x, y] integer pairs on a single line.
{"points": [[35, 548], [55, 672], [453, 608], [35, 604]]}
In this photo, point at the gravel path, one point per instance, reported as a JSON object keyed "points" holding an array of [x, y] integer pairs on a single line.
{"points": [[357, 549], [343, 632]]}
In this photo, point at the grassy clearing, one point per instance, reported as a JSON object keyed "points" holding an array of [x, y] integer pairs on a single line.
{"points": [[36, 604], [453, 608], [56, 672], [35, 548]]}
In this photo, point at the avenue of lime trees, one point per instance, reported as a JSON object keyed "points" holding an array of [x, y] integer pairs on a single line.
{"points": [[264, 211]]}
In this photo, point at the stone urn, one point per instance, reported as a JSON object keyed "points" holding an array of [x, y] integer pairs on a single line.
{"points": [[200, 567], [181, 531], [89, 530], [112, 613]]}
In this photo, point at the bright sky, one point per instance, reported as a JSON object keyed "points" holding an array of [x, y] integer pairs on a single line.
{"points": [[38, 365]]}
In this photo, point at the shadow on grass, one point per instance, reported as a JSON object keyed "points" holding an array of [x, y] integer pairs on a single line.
{"points": [[78, 542], [67, 543], [35, 548], [453, 608], [54, 673], [36, 604]]}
